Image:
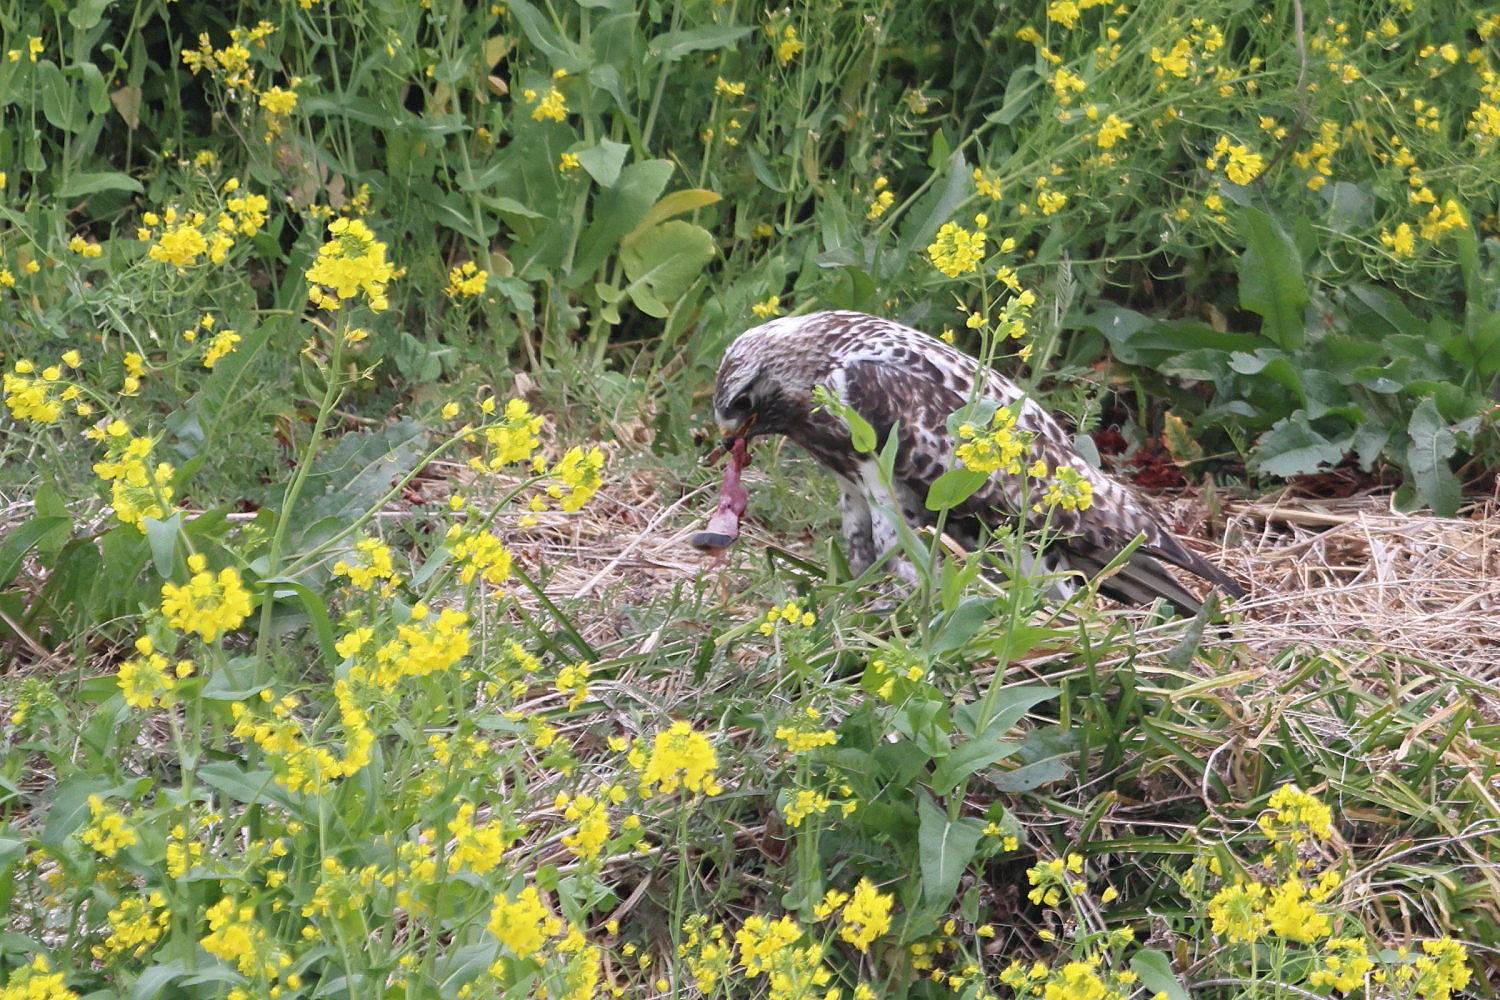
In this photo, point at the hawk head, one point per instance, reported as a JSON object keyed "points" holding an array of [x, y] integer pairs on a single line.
{"points": [[765, 381]]}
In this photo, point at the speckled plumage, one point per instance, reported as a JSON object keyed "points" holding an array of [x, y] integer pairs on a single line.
{"points": [[897, 377]]}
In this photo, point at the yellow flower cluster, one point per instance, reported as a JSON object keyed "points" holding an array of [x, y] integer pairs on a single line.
{"points": [[592, 818], [1050, 878], [147, 680], [36, 981], [350, 263], [997, 448], [136, 492], [1068, 488], [804, 735], [467, 279], [297, 764], [865, 914], [522, 923], [39, 396], [790, 613], [419, 648], [576, 477], [1292, 812], [1241, 165], [802, 803], [374, 563], [478, 553], [768, 948], [881, 198], [136, 923], [550, 106], [232, 62], [513, 439], [682, 758], [787, 42], [770, 307], [209, 603], [235, 936], [1085, 979], [479, 847], [106, 831], [178, 239], [955, 250], [573, 681]]}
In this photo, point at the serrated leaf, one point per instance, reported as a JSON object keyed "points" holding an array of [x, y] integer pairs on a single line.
{"points": [[1293, 447]]}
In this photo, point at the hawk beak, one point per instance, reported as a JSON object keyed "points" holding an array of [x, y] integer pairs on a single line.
{"points": [[733, 433]]}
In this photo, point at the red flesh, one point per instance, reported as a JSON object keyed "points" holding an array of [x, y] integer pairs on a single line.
{"points": [[724, 526]]}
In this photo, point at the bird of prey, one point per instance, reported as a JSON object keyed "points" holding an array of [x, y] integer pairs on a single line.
{"points": [[904, 381]]}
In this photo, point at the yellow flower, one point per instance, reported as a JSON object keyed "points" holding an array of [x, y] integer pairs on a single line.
{"points": [[467, 279], [866, 916], [1289, 915], [1291, 810], [353, 261], [551, 107], [181, 245], [222, 343], [523, 923], [1112, 130], [1237, 912], [577, 477], [209, 604], [680, 757], [955, 250], [770, 307], [788, 45], [106, 832], [277, 101], [567, 162], [1240, 165]]}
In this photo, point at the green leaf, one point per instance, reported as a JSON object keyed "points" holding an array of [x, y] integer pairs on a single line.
{"points": [[84, 14], [861, 434], [672, 45], [84, 183], [1432, 443], [944, 849], [1271, 282], [1292, 447], [162, 537], [987, 746], [240, 785], [663, 262], [617, 211], [936, 207], [20, 541], [1155, 970], [676, 203], [953, 488], [604, 161], [1478, 350]]}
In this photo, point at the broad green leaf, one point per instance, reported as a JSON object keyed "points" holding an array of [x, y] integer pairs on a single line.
{"points": [[81, 184], [987, 745], [162, 536], [958, 627], [663, 262], [616, 212], [1271, 282], [85, 14], [1479, 349], [672, 45], [604, 161], [675, 203], [240, 785], [1292, 448], [1431, 443], [944, 849], [953, 488], [1155, 970], [19, 541], [935, 207]]}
